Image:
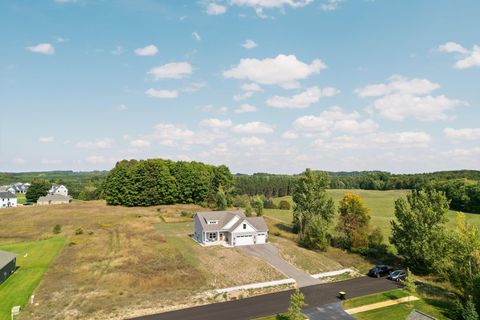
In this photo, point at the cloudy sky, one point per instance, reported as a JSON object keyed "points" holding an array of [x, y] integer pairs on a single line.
{"points": [[260, 85]]}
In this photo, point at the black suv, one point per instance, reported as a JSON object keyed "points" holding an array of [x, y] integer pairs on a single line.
{"points": [[380, 271]]}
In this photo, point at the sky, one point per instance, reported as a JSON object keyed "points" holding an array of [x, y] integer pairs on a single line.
{"points": [[259, 85]]}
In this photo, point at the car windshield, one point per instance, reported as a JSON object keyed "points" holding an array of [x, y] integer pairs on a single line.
{"points": [[395, 273]]}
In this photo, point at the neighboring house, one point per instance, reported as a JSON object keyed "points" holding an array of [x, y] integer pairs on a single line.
{"points": [[418, 315], [50, 199], [229, 228], [7, 199], [8, 264], [16, 188], [58, 189]]}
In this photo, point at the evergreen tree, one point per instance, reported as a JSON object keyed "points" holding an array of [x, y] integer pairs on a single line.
{"points": [[37, 189], [221, 199], [297, 302]]}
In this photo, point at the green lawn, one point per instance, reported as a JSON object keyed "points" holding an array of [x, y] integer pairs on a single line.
{"points": [[380, 203], [434, 305], [33, 261], [21, 199]]}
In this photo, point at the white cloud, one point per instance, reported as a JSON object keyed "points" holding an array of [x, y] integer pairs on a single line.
{"points": [[100, 160], [243, 96], [97, 144], [330, 5], [283, 70], [174, 70], [140, 143], [409, 138], [462, 134], [467, 58], [355, 126], [168, 134], [149, 50], [290, 134], [216, 123], [400, 98], [46, 139], [302, 100], [251, 87], [118, 50], [255, 127], [215, 9], [162, 94], [249, 44], [244, 108], [260, 5], [196, 36], [325, 122], [251, 141], [462, 152], [43, 48]]}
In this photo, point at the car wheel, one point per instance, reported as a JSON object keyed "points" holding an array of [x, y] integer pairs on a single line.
{"points": [[378, 275]]}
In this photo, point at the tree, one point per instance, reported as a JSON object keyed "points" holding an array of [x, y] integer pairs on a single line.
{"points": [[465, 310], [297, 302], [57, 229], [418, 233], [248, 210], [257, 203], [409, 284], [37, 189], [353, 222], [312, 201], [284, 205], [316, 234], [221, 199]]}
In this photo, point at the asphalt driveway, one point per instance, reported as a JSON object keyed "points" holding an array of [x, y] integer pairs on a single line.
{"points": [[332, 311], [269, 253]]}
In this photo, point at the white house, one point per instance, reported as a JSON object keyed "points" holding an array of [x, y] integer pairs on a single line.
{"points": [[7, 199], [16, 188], [58, 189], [229, 228], [50, 199]]}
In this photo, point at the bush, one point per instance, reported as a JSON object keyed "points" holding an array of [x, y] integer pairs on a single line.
{"points": [[187, 214], [241, 201], [465, 310], [284, 205], [268, 204], [57, 229], [79, 231], [248, 210]]}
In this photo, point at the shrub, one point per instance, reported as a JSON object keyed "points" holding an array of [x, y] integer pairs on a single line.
{"points": [[241, 201], [284, 205], [268, 204], [57, 229], [248, 210], [79, 231], [187, 214]]}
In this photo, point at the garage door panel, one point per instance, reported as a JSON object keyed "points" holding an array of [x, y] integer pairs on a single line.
{"points": [[244, 240]]}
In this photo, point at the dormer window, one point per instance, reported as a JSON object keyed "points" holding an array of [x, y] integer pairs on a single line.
{"points": [[244, 226], [212, 221]]}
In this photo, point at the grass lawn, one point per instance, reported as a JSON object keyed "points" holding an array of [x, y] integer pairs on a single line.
{"points": [[34, 259], [380, 203], [436, 306], [21, 199]]}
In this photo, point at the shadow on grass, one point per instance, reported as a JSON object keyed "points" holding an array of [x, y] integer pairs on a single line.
{"points": [[437, 297], [284, 228]]}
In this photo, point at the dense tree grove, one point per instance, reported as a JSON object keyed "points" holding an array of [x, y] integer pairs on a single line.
{"points": [[37, 189], [157, 181], [267, 184]]}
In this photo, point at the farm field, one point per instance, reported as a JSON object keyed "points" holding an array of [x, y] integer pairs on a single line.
{"points": [[380, 203], [120, 262], [33, 260]]}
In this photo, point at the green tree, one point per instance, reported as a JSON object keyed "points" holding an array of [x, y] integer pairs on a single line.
{"points": [[465, 310], [221, 199], [418, 233], [353, 222], [57, 229], [316, 234], [37, 189], [312, 201], [257, 204], [297, 302], [409, 284]]}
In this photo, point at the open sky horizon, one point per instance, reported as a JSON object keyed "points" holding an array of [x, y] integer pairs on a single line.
{"points": [[271, 86]]}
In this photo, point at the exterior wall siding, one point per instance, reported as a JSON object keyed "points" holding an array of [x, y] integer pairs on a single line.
{"points": [[7, 270]]}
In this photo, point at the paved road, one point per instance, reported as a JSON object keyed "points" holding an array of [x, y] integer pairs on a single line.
{"points": [[269, 253], [264, 305]]}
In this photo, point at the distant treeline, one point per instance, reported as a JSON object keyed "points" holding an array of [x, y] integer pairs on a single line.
{"points": [[157, 181], [462, 187], [86, 185]]}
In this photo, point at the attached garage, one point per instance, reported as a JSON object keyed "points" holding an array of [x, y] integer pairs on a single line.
{"points": [[243, 240], [8, 264], [261, 237]]}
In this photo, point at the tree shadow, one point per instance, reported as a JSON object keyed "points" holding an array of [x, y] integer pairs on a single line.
{"points": [[284, 228]]}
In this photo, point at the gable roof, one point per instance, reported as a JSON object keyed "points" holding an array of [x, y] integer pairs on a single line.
{"points": [[6, 257], [258, 223], [223, 217], [6, 194]]}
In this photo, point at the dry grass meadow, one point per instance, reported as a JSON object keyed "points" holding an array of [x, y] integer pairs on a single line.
{"points": [[126, 261]]}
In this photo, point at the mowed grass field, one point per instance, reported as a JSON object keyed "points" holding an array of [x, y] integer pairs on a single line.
{"points": [[21, 199], [118, 262], [380, 203], [33, 260]]}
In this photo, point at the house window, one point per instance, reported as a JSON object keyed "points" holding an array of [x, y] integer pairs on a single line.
{"points": [[244, 226]]}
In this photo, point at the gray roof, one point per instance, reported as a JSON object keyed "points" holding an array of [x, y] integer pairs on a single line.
{"points": [[7, 194], [54, 197], [224, 217], [6, 257], [418, 315]]}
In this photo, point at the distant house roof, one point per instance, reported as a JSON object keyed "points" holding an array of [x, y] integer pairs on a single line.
{"points": [[224, 217], [418, 315], [54, 197], [6, 257], [6, 194]]}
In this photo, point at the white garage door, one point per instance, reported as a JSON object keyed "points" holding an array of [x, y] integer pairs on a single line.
{"points": [[243, 240], [261, 238]]}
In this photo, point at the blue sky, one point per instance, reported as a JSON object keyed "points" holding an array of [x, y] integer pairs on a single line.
{"points": [[260, 85]]}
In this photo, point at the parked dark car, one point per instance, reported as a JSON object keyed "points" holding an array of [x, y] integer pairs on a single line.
{"points": [[397, 275], [380, 270]]}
